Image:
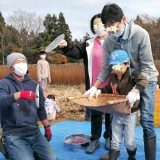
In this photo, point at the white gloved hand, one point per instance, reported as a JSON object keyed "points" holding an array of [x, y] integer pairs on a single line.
{"points": [[62, 44], [91, 92], [133, 96], [98, 92]]}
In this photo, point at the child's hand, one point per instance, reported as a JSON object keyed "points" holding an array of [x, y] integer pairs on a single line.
{"points": [[49, 81]]}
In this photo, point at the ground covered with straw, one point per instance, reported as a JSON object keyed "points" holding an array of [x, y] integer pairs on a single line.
{"points": [[69, 110]]}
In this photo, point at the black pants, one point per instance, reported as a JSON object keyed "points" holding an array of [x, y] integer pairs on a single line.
{"points": [[96, 125], [88, 113]]}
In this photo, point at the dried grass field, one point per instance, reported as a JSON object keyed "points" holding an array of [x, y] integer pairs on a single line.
{"points": [[68, 74]]}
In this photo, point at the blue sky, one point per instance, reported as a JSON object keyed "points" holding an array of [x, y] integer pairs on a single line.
{"points": [[79, 12]]}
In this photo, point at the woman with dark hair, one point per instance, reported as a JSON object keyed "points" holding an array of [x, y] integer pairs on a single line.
{"points": [[91, 52]]}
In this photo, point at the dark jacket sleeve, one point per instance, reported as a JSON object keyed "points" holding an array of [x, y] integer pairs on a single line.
{"points": [[107, 89], [141, 83], [6, 99], [76, 51], [41, 110]]}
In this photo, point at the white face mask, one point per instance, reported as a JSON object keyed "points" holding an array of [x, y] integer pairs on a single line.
{"points": [[20, 69], [43, 56], [100, 31], [118, 33]]}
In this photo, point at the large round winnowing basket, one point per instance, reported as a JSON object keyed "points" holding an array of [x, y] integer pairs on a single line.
{"points": [[107, 103]]}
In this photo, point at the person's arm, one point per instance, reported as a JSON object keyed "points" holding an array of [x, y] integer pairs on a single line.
{"points": [[97, 83], [45, 123], [134, 94], [105, 69], [6, 98], [146, 64], [43, 116], [49, 74], [141, 83], [48, 132], [107, 88], [56, 106], [75, 51], [145, 56], [41, 110]]}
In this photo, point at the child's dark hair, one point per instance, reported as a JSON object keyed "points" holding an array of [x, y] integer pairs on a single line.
{"points": [[111, 13], [92, 19], [42, 53], [51, 96]]}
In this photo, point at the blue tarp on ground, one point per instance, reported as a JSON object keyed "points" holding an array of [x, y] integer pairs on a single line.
{"points": [[62, 129]]}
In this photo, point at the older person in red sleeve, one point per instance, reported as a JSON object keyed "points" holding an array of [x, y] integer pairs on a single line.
{"points": [[19, 113]]}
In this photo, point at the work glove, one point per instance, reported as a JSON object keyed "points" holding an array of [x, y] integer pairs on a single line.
{"points": [[133, 96], [48, 133], [30, 95], [98, 92], [91, 92]]}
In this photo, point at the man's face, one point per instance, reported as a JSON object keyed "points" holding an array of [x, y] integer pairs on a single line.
{"points": [[19, 60], [114, 27], [19, 67]]}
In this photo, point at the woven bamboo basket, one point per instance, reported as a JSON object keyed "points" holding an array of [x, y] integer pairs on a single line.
{"points": [[107, 103]]}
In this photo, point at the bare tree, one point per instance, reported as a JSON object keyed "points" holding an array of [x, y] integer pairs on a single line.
{"points": [[26, 20], [28, 24]]}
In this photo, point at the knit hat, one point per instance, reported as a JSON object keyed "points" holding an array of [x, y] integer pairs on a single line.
{"points": [[12, 57]]}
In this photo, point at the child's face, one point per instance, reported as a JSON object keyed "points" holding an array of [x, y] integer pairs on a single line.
{"points": [[43, 56], [119, 69]]}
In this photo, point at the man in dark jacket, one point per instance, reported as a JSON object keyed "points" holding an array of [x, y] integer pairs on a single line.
{"points": [[20, 113]]}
